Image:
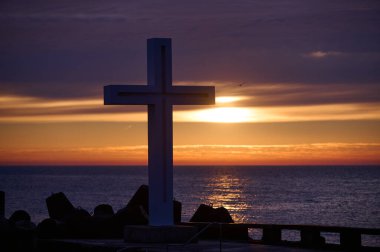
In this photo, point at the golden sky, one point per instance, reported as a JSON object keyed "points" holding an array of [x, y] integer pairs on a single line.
{"points": [[64, 132]]}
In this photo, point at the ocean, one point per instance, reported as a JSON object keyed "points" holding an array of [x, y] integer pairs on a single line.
{"points": [[321, 195]]}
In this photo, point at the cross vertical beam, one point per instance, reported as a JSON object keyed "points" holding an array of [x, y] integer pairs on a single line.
{"points": [[160, 135]]}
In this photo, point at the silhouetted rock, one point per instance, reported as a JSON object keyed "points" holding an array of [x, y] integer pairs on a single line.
{"points": [[203, 214], [113, 227], [222, 215], [77, 224], [78, 214], [19, 215], [206, 213], [177, 211], [50, 228], [59, 207], [140, 198], [132, 215], [68, 222], [22, 234], [103, 210]]}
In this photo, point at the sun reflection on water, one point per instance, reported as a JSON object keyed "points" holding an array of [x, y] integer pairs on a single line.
{"points": [[227, 191]]}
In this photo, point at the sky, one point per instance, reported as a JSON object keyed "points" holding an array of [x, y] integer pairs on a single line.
{"points": [[297, 81]]}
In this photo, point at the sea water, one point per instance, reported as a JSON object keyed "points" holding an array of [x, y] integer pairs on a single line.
{"points": [[320, 195]]}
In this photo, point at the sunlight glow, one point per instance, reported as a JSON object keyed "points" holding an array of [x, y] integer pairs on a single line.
{"points": [[287, 154], [33, 109], [22, 102], [224, 115], [229, 99]]}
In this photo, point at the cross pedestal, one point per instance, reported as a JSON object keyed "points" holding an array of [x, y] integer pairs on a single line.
{"points": [[160, 96]]}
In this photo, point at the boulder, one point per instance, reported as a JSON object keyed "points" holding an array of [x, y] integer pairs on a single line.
{"points": [[177, 210], [132, 215], [222, 215], [140, 198], [59, 207], [19, 215], [50, 228], [206, 213], [77, 224], [103, 211], [22, 232]]}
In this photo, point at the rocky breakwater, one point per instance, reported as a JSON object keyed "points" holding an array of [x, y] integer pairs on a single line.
{"points": [[65, 221]]}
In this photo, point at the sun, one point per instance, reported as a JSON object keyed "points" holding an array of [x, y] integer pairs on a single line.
{"points": [[228, 99], [224, 115], [221, 113]]}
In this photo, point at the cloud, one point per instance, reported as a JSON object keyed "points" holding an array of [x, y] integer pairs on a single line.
{"points": [[299, 94], [322, 54], [32, 109]]}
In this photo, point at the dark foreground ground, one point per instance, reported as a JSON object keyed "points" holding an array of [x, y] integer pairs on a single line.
{"points": [[119, 246]]}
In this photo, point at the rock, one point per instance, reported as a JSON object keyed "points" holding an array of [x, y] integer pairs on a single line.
{"points": [[22, 235], [140, 198], [19, 215], [203, 214], [59, 207], [103, 211], [132, 215], [50, 228], [206, 213], [25, 225], [78, 214], [77, 224], [222, 215], [177, 210]]}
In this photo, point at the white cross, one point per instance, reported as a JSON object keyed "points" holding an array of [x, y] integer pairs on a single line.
{"points": [[160, 96]]}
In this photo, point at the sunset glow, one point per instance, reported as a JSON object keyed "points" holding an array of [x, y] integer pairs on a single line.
{"points": [[299, 154], [229, 99], [289, 87], [228, 110], [224, 115]]}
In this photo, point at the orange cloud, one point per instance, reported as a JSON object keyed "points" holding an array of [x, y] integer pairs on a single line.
{"points": [[229, 109]]}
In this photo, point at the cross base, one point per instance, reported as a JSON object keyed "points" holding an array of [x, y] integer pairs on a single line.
{"points": [[159, 234]]}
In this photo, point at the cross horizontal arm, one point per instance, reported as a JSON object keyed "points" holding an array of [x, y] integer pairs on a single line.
{"points": [[192, 95], [143, 95], [137, 95]]}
